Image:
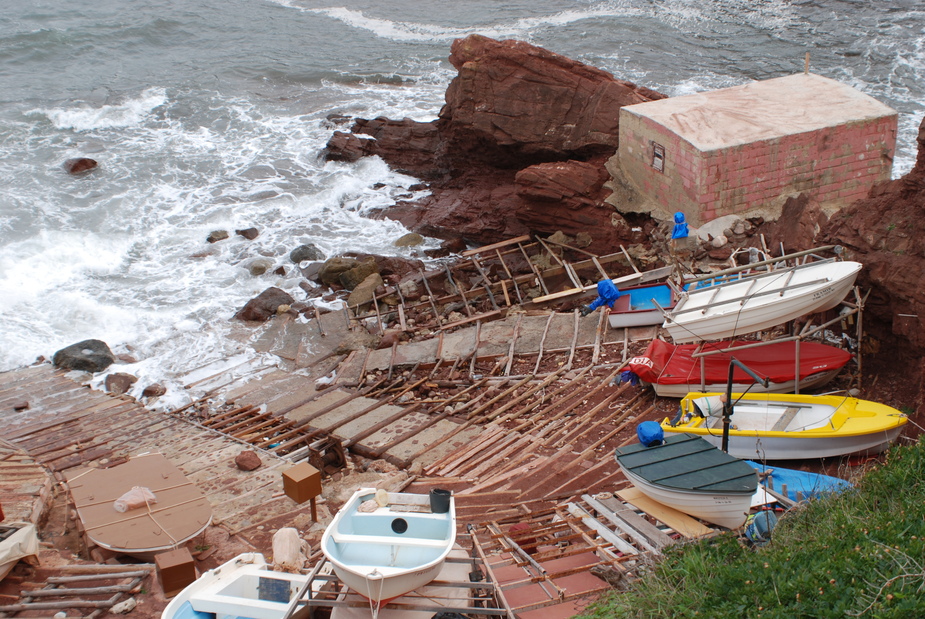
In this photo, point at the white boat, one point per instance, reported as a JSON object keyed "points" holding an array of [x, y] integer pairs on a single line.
{"points": [[791, 427], [689, 474], [243, 587], [715, 311], [383, 545]]}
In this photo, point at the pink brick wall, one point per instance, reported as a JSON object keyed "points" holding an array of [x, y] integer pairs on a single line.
{"points": [[835, 166]]}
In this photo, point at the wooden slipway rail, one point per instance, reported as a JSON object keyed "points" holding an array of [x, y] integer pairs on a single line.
{"points": [[62, 425]]}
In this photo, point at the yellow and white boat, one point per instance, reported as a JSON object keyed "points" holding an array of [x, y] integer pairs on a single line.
{"points": [[766, 426]]}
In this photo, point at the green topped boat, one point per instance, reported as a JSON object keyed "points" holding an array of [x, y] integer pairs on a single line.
{"points": [[691, 475]]}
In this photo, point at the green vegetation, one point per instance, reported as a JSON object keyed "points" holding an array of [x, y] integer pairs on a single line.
{"points": [[858, 554]]}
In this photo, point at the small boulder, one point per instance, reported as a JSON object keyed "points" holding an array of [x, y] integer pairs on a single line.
{"points": [[333, 267], [247, 460], [264, 305], [311, 271], [257, 266], [410, 290], [79, 165], [306, 252], [119, 382], [123, 607], [412, 239], [217, 235], [248, 233], [87, 356], [356, 340], [154, 390], [364, 291], [389, 338], [352, 278]]}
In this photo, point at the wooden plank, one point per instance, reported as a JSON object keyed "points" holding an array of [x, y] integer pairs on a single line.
{"points": [[487, 316], [493, 246], [644, 532], [679, 521], [785, 419], [606, 534]]}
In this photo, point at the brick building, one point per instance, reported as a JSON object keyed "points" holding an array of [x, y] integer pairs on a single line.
{"points": [[746, 149]]}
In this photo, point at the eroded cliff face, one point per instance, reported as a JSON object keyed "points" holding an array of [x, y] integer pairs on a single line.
{"points": [[886, 232], [519, 147]]}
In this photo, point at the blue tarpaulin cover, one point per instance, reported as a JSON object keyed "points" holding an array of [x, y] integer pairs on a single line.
{"points": [[650, 433], [607, 293], [808, 484], [680, 227]]}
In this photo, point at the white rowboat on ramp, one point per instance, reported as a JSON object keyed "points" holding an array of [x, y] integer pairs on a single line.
{"points": [[397, 546], [760, 301]]}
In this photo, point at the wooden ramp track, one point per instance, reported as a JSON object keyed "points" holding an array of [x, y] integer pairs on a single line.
{"points": [[560, 557], [485, 282], [90, 588], [557, 443], [566, 555], [67, 425], [466, 585], [391, 417]]}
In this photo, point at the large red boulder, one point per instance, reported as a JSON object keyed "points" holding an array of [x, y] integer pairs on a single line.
{"points": [[512, 106], [528, 101]]}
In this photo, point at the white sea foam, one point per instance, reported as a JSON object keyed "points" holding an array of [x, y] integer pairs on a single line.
{"points": [[125, 114], [120, 254], [406, 31]]}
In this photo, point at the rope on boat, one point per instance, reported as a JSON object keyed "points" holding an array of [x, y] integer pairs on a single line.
{"points": [[374, 605]]}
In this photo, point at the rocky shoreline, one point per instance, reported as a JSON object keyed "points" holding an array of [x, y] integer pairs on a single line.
{"points": [[499, 162]]}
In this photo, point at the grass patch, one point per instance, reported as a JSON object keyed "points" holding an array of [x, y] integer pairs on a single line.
{"points": [[857, 554]]}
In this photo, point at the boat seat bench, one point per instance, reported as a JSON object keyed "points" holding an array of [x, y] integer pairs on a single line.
{"points": [[348, 538], [785, 419]]}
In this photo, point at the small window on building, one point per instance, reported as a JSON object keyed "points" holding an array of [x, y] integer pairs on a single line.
{"points": [[658, 157]]}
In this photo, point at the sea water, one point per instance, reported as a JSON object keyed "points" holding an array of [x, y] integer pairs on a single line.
{"points": [[211, 115]]}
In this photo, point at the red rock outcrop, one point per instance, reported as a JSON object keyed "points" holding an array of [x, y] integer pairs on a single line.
{"points": [[519, 147]]}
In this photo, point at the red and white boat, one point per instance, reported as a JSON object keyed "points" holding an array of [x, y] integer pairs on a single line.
{"points": [[673, 371]]}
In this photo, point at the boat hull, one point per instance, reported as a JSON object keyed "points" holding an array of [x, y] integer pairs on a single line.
{"points": [[387, 552], [754, 445], [639, 306], [791, 427], [682, 389], [725, 510], [687, 473], [674, 371], [759, 302]]}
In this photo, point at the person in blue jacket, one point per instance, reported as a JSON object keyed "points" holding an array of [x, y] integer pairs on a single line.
{"points": [[607, 294], [680, 227], [679, 234]]}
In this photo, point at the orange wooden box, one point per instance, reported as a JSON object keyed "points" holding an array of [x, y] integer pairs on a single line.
{"points": [[302, 482]]}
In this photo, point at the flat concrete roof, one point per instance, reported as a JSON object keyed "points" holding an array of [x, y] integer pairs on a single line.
{"points": [[761, 110]]}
